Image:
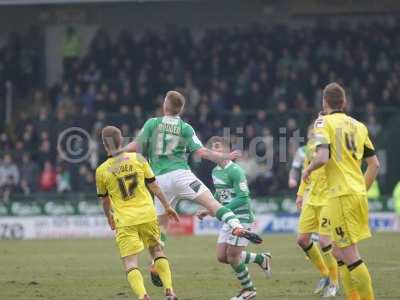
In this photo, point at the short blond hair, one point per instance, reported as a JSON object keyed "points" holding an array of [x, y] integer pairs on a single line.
{"points": [[334, 95], [112, 138], [175, 102]]}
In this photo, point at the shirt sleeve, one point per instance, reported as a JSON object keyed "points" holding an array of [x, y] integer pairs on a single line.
{"points": [[302, 188], [144, 136], [303, 185], [239, 182], [192, 141], [148, 172], [321, 132], [100, 185], [236, 203], [369, 149]]}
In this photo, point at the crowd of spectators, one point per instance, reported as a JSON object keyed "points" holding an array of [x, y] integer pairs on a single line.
{"points": [[253, 80]]}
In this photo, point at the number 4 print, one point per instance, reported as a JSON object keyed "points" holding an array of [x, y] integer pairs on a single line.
{"points": [[339, 232], [351, 143]]}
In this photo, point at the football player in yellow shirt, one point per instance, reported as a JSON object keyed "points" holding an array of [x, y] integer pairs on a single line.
{"points": [[121, 185], [314, 218], [342, 144]]}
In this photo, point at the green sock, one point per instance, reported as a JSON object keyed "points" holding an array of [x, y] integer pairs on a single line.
{"points": [[242, 274], [163, 238], [250, 257], [227, 216]]}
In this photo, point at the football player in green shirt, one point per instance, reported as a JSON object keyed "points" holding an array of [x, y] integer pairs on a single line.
{"points": [[232, 191], [166, 142]]}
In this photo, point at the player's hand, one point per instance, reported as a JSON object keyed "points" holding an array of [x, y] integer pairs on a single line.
{"points": [[172, 214], [201, 214], [235, 154], [299, 202], [306, 175], [111, 222], [292, 183]]}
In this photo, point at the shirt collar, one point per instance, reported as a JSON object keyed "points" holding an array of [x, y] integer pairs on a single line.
{"points": [[337, 112], [227, 165]]}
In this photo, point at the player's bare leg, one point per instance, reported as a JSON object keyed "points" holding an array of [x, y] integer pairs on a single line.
{"points": [[215, 209], [134, 276], [359, 284], [314, 254], [221, 253], [161, 266]]}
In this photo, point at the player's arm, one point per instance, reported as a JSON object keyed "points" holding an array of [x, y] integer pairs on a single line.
{"points": [[372, 163], [141, 141], [372, 170], [131, 147], [102, 194], [300, 195], [106, 204], [293, 177], [156, 190], [196, 146], [217, 157], [295, 170], [320, 159], [240, 187], [322, 142]]}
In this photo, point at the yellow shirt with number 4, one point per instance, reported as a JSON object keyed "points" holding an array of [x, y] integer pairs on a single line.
{"points": [[348, 144]]}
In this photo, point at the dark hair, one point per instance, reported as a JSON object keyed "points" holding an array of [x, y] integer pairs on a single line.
{"points": [[219, 139]]}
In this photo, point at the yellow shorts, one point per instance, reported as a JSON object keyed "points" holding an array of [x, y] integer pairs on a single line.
{"points": [[314, 218], [349, 219], [133, 239]]}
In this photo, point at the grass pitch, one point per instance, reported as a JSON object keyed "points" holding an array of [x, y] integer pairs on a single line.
{"points": [[91, 270]]}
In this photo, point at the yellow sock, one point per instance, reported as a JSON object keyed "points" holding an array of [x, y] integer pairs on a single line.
{"points": [[315, 256], [331, 263], [135, 279], [349, 290], [162, 267], [362, 280]]}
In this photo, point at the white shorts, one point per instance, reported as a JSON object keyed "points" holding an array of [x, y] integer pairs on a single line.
{"points": [[177, 185], [225, 236]]}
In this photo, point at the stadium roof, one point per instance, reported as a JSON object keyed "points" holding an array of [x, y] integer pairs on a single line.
{"points": [[39, 2]]}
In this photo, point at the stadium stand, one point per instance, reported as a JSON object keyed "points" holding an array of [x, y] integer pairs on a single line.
{"points": [[257, 77]]}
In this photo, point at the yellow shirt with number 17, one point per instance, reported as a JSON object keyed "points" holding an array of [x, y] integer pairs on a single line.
{"points": [[123, 179]]}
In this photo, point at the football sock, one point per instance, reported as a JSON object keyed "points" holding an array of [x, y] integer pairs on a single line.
{"points": [[345, 277], [135, 280], [250, 257], [163, 238], [227, 216], [315, 256], [242, 274], [331, 263], [362, 280], [162, 267]]}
